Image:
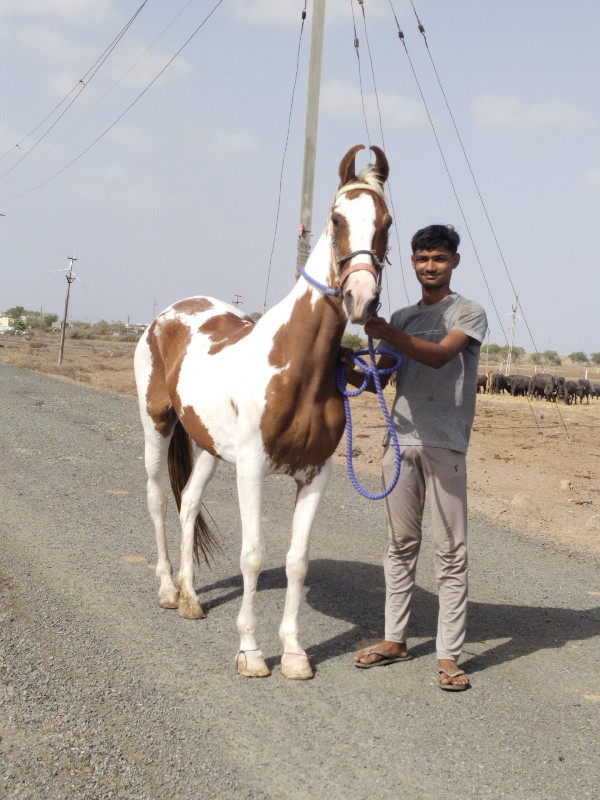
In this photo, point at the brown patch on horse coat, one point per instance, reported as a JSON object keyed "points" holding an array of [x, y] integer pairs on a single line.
{"points": [[197, 430], [303, 420], [226, 329], [169, 339], [193, 305]]}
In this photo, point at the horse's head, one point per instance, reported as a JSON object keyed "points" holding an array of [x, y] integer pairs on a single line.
{"points": [[359, 224]]}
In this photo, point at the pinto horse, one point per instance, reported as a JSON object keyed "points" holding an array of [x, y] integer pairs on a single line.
{"points": [[213, 385]]}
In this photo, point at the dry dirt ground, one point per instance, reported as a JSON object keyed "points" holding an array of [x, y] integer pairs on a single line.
{"points": [[533, 465]]}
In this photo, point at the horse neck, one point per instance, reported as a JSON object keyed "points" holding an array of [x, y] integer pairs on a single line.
{"points": [[318, 265], [311, 324]]}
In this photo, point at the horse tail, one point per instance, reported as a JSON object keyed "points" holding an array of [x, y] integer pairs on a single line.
{"points": [[180, 463]]}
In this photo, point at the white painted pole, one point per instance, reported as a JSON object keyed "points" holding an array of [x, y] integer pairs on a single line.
{"points": [[310, 136]]}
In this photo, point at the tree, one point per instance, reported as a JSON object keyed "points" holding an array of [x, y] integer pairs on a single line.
{"points": [[552, 357], [579, 357], [352, 341], [491, 349], [517, 354], [49, 319], [16, 312], [595, 358], [18, 325]]}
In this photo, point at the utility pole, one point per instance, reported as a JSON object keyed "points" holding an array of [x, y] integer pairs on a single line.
{"points": [[512, 336], [237, 300], [310, 136], [70, 278]]}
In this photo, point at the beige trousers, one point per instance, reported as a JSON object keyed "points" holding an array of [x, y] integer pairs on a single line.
{"points": [[441, 474]]}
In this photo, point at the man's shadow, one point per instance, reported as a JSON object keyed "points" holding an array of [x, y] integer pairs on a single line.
{"points": [[355, 591]]}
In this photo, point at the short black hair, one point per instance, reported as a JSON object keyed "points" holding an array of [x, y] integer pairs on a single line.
{"points": [[436, 236]]}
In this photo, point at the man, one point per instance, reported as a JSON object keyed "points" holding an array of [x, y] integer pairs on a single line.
{"points": [[439, 339]]}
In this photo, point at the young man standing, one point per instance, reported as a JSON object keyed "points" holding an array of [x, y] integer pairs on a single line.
{"points": [[439, 339]]}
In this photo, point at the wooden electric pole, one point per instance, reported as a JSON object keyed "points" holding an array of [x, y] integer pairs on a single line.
{"points": [[70, 278]]}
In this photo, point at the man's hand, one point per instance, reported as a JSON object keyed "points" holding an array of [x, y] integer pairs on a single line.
{"points": [[377, 328], [346, 356]]}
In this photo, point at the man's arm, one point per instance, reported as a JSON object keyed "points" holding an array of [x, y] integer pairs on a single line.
{"points": [[433, 354]]}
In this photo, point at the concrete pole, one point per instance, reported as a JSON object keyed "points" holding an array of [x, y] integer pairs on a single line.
{"points": [[310, 137]]}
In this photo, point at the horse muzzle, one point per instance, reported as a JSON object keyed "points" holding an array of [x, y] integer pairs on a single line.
{"points": [[361, 294]]}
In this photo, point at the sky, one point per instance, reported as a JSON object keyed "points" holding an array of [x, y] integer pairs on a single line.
{"points": [[171, 166]]}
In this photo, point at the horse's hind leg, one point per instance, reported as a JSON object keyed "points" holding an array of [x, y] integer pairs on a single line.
{"points": [[191, 503], [156, 450], [295, 663]]}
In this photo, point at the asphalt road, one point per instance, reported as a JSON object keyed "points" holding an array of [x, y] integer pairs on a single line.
{"points": [[105, 695]]}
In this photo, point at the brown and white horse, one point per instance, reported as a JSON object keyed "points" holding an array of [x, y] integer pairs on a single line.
{"points": [[214, 385]]}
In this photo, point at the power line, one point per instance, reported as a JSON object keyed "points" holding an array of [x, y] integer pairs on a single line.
{"points": [[81, 85], [285, 147], [123, 113], [115, 84]]}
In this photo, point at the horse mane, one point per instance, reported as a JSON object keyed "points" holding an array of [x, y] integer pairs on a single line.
{"points": [[370, 177]]}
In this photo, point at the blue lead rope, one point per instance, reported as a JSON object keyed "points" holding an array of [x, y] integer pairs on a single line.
{"points": [[371, 371]]}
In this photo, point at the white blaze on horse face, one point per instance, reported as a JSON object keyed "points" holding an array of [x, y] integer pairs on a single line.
{"points": [[360, 289]]}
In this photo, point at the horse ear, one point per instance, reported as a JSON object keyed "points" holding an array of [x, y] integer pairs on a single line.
{"points": [[347, 169], [382, 168]]}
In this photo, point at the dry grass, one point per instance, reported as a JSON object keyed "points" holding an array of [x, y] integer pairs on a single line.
{"points": [[103, 365]]}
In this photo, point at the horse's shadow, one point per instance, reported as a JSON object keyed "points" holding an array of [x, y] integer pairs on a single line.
{"points": [[355, 591]]}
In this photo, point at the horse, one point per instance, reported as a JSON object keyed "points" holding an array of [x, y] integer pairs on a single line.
{"points": [[215, 385]]}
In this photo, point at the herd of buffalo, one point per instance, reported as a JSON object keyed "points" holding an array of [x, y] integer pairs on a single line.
{"points": [[549, 387]]}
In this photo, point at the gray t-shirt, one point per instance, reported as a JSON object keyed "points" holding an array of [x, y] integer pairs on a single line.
{"points": [[435, 407]]}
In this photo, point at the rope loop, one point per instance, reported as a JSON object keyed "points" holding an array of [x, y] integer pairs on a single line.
{"points": [[370, 370]]}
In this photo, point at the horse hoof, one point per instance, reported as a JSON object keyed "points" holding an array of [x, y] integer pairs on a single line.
{"points": [[296, 667], [252, 664], [190, 608], [168, 599]]}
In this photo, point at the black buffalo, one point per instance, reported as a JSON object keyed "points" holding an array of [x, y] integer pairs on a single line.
{"points": [[569, 392], [518, 385], [543, 385], [583, 389], [499, 383]]}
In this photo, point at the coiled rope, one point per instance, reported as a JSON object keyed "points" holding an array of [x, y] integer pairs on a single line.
{"points": [[370, 371]]}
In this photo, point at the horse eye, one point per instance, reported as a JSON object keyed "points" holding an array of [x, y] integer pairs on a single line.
{"points": [[335, 219]]}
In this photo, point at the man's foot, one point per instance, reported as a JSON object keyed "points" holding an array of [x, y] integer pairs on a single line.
{"points": [[452, 678], [380, 654]]}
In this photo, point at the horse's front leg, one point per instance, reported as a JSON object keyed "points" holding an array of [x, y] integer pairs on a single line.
{"points": [[294, 662], [250, 476]]}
